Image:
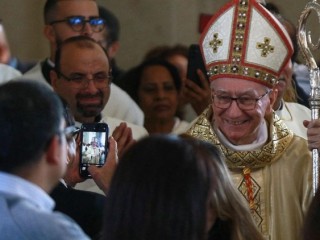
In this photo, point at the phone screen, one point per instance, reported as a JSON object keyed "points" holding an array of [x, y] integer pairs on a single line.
{"points": [[94, 146]]}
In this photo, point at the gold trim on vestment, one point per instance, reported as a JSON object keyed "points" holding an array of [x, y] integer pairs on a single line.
{"points": [[279, 139]]}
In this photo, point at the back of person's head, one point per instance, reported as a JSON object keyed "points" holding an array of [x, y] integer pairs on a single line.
{"points": [[30, 115], [233, 218], [112, 25], [159, 191], [164, 188], [81, 42]]}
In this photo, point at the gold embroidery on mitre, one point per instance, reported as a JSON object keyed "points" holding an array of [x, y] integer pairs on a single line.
{"points": [[236, 67], [265, 47], [239, 32], [215, 43], [246, 71], [280, 135]]}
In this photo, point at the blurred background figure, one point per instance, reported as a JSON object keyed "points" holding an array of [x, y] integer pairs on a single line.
{"points": [[286, 106], [173, 188], [193, 99], [155, 86], [6, 56], [109, 39], [299, 73], [291, 104], [177, 55]]}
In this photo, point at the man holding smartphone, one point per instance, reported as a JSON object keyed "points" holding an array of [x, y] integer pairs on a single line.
{"points": [[82, 78], [33, 143]]}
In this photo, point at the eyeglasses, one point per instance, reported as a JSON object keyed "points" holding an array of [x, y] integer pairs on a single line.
{"points": [[80, 81], [244, 103], [77, 23]]}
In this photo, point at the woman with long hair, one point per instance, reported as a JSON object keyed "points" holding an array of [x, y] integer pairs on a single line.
{"points": [[175, 188]]}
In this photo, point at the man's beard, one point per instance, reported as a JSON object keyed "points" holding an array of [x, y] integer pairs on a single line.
{"points": [[90, 110]]}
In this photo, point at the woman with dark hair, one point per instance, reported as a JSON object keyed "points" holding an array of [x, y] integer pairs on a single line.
{"points": [[173, 188], [193, 99], [155, 86]]}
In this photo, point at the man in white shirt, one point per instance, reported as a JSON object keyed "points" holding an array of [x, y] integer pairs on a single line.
{"points": [[64, 19], [32, 160]]}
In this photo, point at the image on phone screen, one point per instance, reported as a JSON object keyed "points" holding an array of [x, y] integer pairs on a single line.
{"points": [[93, 150]]}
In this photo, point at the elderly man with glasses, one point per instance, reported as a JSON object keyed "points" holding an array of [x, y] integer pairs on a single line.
{"points": [[245, 50], [67, 18]]}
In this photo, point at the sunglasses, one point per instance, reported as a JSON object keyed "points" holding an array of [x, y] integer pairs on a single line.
{"points": [[77, 23]]}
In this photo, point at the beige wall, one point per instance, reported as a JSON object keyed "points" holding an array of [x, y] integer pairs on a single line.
{"points": [[22, 20], [144, 24]]}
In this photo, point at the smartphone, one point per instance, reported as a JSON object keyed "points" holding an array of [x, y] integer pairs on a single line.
{"points": [[195, 62], [94, 146]]}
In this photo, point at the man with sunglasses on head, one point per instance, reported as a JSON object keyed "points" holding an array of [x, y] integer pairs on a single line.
{"points": [[33, 145], [68, 18], [245, 50]]}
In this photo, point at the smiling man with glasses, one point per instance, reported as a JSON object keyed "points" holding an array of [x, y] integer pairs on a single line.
{"points": [[80, 81], [69, 18], [82, 77], [245, 50], [244, 102]]}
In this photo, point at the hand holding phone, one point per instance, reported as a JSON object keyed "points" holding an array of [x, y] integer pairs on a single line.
{"points": [[93, 146], [195, 62], [102, 176]]}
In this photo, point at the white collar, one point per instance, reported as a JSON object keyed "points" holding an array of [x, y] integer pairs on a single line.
{"points": [[256, 144]]}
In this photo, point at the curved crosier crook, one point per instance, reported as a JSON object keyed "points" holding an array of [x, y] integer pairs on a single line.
{"points": [[305, 41]]}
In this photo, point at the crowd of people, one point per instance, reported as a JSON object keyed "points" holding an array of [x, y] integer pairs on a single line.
{"points": [[227, 158]]}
